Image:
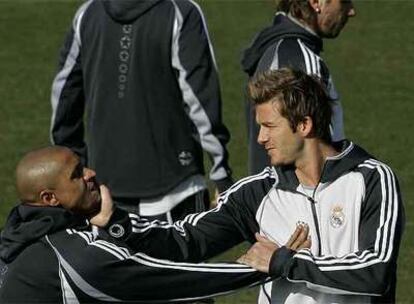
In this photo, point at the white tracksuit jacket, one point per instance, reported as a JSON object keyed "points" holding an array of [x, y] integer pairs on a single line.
{"points": [[355, 215]]}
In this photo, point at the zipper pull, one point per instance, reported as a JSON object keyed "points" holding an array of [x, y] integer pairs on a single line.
{"points": [[311, 200]]}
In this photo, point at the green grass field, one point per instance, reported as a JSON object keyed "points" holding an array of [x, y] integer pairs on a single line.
{"points": [[372, 63]]}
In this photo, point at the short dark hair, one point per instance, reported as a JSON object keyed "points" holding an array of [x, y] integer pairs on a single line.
{"points": [[298, 95], [300, 9]]}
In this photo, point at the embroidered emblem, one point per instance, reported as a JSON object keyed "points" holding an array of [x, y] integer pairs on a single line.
{"points": [[337, 218], [185, 158], [116, 231]]}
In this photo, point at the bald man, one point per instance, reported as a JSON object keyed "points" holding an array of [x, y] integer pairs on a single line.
{"points": [[54, 255], [54, 177]]}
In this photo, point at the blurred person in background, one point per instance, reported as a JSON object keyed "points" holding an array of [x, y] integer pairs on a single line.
{"points": [[146, 75], [295, 40]]}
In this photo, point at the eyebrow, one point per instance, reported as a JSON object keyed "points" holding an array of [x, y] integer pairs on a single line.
{"points": [[76, 171]]}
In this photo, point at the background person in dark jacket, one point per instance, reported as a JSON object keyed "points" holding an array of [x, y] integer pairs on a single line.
{"points": [[54, 255], [295, 40], [145, 73]]}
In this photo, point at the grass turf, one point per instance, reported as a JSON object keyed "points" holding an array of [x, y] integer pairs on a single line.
{"points": [[371, 62]]}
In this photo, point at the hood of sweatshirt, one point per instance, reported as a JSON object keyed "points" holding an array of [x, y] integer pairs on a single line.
{"points": [[27, 224], [127, 11], [283, 27]]}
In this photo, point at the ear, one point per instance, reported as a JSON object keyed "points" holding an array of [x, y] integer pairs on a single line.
{"points": [[305, 127], [49, 198], [315, 5]]}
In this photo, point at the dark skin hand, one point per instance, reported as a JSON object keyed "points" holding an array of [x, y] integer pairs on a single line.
{"points": [[259, 255]]}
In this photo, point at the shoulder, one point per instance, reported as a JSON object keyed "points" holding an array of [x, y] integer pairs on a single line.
{"points": [[252, 189], [187, 8], [293, 53], [375, 169]]}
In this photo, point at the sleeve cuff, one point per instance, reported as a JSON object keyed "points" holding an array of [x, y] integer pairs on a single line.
{"points": [[279, 260], [119, 225]]}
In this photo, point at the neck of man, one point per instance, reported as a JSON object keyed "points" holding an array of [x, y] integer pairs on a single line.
{"points": [[309, 25], [309, 167]]}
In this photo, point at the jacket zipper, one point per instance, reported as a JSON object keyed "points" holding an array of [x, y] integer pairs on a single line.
{"points": [[314, 213], [315, 220]]}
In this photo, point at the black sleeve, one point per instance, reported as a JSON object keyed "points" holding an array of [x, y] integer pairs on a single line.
{"points": [[93, 270], [372, 269], [193, 58], [198, 236], [67, 99]]}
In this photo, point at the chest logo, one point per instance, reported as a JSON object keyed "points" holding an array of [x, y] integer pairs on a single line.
{"points": [[185, 158], [337, 217]]}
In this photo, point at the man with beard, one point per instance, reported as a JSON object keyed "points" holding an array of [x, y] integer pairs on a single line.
{"points": [[350, 201], [295, 40]]}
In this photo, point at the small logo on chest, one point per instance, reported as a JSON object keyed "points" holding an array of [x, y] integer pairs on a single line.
{"points": [[185, 158], [337, 217]]}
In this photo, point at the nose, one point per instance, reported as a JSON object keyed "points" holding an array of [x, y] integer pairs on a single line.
{"points": [[88, 174], [263, 136]]}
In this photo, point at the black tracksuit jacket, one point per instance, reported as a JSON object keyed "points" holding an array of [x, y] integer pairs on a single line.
{"points": [[145, 73], [54, 257]]}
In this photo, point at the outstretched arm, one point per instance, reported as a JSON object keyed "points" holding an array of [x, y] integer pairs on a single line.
{"points": [[196, 238], [100, 270]]}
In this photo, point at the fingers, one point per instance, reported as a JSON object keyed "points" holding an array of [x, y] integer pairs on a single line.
{"points": [[257, 258], [300, 238], [305, 244], [106, 199], [294, 236]]}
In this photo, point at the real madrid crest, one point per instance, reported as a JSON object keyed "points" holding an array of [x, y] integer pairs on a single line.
{"points": [[337, 217]]}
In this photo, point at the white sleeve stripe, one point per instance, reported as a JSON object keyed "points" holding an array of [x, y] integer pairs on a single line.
{"points": [[77, 279], [197, 114], [388, 217], [60, 79], [192, 219], [352, 257], [331, 290], [306, 57], [120, 252], [312, 60], [210, 45], [223, 198], [275, 61], [391, 216], [220, 268]]}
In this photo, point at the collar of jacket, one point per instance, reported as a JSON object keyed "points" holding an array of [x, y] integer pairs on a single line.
{"points": [[350, 157], [27, 224], [127, 11], [283, 26]]}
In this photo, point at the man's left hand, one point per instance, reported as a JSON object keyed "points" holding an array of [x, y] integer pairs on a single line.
{"points": [[260, 254]]}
